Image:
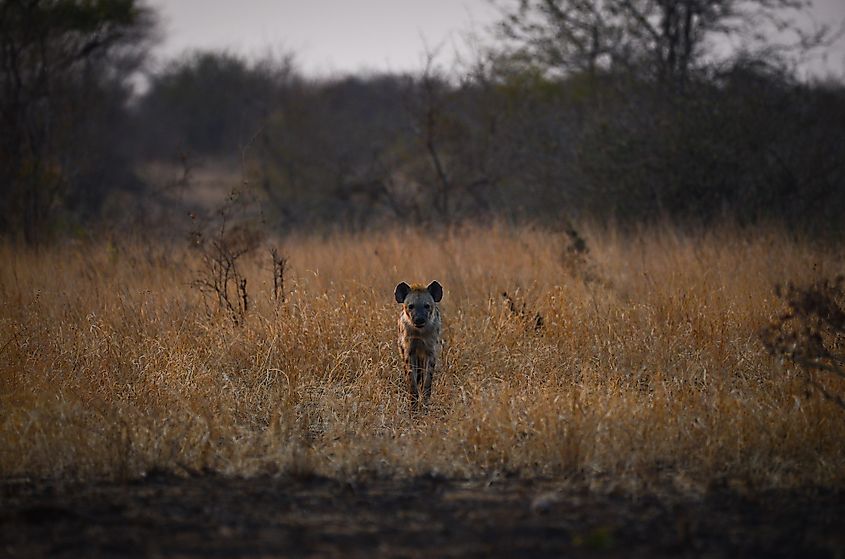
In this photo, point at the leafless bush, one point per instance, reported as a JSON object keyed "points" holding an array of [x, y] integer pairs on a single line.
{"points": [[811, 333], [220, 276], [279, 266], [575, 253], [519, 309], [575, 258]]}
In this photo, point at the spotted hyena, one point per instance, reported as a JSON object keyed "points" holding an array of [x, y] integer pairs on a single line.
{"points": [[419, 335]]}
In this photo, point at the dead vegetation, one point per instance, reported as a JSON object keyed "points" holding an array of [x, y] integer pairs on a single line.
{"points": [[811, 333], [110, 364]]}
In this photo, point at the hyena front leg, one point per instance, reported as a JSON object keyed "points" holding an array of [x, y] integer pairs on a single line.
{"points": [[428, 368], [414, 372]]}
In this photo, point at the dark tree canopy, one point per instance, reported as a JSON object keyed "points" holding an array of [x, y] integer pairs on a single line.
{"points": [[620, 110], [59, 60], [666, 39], [212, 102]]}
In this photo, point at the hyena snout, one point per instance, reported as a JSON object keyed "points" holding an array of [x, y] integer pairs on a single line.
{"points": [[419, 314]]}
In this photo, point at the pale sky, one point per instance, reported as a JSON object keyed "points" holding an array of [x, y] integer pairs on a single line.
{"points": [[327, 36], [347, 36]]}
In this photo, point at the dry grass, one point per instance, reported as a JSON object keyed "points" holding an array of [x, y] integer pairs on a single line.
{"points": [[648, 365]]}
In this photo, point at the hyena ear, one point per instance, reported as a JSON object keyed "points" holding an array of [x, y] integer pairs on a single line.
{"points": [[401, 292], [436, 291]]}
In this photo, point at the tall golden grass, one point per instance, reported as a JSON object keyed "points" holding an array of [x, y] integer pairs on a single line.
{"points": [[648, 363]]}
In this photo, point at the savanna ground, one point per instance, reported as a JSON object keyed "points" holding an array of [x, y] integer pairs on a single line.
{"points": [[617, 399]]}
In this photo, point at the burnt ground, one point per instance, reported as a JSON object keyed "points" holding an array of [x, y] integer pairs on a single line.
{"points": [[212, 516]]}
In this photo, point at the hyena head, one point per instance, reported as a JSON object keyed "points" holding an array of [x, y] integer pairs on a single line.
{"points": [[418, 301]]}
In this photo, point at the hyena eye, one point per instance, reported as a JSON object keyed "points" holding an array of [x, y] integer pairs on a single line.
{"points": [[411, 307], [427, 307]]}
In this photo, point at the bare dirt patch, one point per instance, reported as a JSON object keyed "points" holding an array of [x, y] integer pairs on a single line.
{"points": [[212, 516]]}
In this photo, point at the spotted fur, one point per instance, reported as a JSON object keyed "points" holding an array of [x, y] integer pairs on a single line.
{"points": [[420, 338]]}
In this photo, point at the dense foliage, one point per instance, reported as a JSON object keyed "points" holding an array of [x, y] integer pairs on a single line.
{"points": [[64, 87], [643, 123]]}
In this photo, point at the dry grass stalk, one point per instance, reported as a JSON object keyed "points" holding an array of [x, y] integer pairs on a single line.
{"points": [[110, 367]]}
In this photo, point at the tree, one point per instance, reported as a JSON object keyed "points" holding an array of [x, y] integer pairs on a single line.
{"points": [[59, 60], [667, 39], [212, 103]]}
